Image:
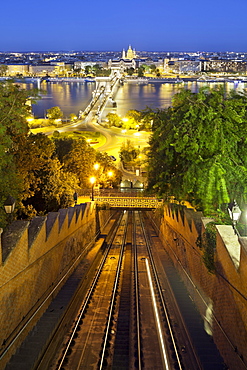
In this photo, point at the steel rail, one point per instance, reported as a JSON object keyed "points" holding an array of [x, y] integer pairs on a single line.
{"points": [[138, 323], [113, 297], [88, 296], [158, 285]]}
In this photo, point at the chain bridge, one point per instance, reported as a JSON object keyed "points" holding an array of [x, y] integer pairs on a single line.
{"points": [[104, 92]]}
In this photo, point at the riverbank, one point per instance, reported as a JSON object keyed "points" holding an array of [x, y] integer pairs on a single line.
{"points": [[134, 79], [172, 80]]}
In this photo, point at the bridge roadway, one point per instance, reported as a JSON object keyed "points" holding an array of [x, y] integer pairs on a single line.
{"points": [[103, 94]]}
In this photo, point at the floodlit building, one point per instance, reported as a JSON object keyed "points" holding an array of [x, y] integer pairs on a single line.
{"points": [[18, 69], [128, 60], [41, 69], [130, 54], [223, 65], [182, 66]]}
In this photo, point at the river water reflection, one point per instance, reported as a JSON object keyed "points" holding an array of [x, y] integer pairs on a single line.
{"points": [[74, 96]]}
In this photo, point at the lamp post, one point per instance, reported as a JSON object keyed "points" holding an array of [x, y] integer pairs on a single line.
{"points": [[9, 206], [235, 213], [75, 196], [110, 174], [92, 180]]}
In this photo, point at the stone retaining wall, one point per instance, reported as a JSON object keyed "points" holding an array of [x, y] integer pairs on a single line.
{"points": [[35, 255], [221, 297]]}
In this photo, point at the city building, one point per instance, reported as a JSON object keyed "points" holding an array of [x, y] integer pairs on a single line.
{"points": [[128, 60], [17, 69], [131, 54], [224, 65], [182, 66]]}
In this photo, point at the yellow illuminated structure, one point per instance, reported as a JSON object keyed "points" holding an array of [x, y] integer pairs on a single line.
{"points": [[131, 54]]}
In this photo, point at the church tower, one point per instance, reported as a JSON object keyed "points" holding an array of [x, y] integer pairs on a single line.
{"points": [[130, 54]]}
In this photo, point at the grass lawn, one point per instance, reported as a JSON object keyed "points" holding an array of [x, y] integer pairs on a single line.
{"points": [[96, 139]]}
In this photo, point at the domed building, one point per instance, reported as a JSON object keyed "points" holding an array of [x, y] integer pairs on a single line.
{"points": [[131, 54], [128, 60]]}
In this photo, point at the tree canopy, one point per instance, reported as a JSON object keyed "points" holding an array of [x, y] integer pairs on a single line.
{"points": [[41, 173], [198, 149], [13, 132], [54, 113]]}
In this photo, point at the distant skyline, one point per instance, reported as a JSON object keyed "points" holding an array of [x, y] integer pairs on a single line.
{"points": [[214, 25]]}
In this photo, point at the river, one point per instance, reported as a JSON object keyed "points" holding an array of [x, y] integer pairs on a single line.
{"points": [[74, 96]]}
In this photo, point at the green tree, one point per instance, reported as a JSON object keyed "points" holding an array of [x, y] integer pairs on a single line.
{"points": [[106, 166], [54, 190], [31, 157], [128, 152], [13, 131], [153, 68], [140, 71], [130, 71], [135, 115], [198, 148], [79, 161], [54, 113], [46, 185], [88, 70], [72, 117], [114, 120], [146, 121], [3, 70]]}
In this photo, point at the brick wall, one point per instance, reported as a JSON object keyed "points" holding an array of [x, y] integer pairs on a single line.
{"points": [[35, 254], [221, 297]]}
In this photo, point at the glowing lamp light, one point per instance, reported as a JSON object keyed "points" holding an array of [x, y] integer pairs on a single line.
{"points": [[96, 166], [92, 180], [9, 204], [30, 119], [235, 213]]}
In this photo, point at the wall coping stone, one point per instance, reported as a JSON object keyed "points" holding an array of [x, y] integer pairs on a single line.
{"points": [[231, 242], [62, 216], [50, 221], [35, 226], [206, 220], [11, 235], [71, 212]]}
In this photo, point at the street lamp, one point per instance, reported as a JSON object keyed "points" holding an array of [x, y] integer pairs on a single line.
{"points": [[96, 166], [75, 196], [110, 174], [92, 180], [235, 213], [9, 204]]}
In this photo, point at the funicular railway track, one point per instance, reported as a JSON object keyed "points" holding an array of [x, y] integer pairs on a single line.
{"points": [[123, 322]]}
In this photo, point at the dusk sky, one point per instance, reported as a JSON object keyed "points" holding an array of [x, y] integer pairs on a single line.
{"points": [[161, 25]]}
